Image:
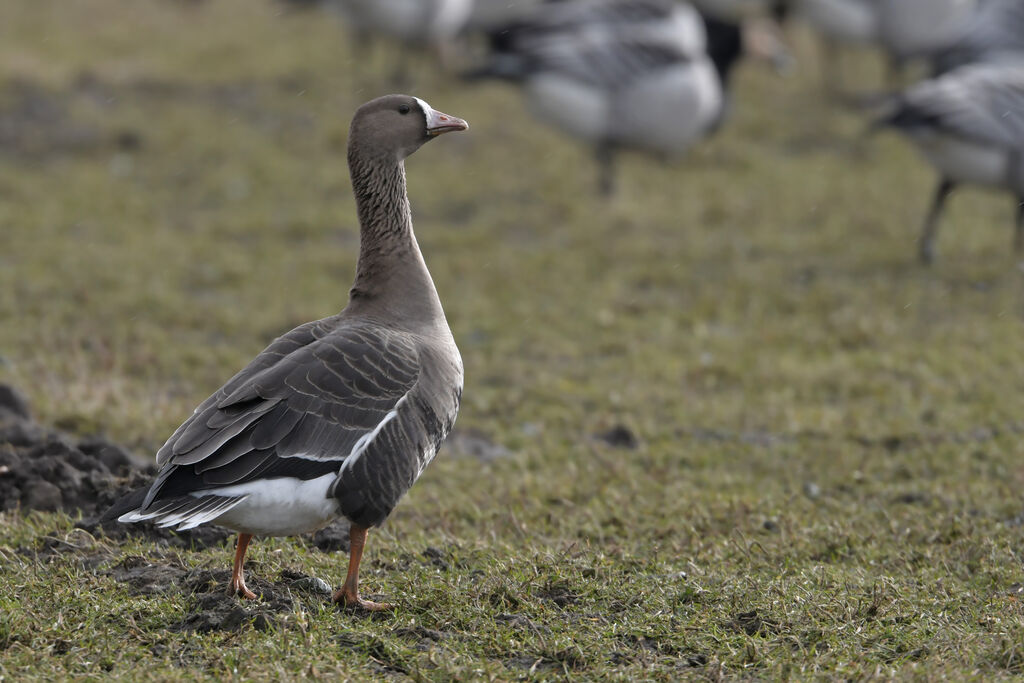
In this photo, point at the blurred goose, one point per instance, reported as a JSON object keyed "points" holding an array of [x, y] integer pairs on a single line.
{"points": [[339, 416], [969, 123], [839, 24], [995, 31], [581, 23], [843, 21], [409, 21], [631, 74], [905, 29], [487, 14], [413, 24], [737, 10], [909, 29]]}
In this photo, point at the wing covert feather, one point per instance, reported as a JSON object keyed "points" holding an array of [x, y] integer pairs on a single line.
{"points": [[312, 394]]}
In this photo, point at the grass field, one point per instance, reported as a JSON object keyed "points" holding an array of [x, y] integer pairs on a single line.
{"points": [[827, 474]]}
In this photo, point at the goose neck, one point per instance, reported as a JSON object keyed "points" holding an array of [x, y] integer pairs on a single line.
{"points": [[391, 274]]}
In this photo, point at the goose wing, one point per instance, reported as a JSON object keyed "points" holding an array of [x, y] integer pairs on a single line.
{"points": [[997, 28], [608, 65], [312, 400], [983, 103]]}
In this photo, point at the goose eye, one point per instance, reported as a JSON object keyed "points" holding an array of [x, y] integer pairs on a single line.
{"points": [[403, 109]]}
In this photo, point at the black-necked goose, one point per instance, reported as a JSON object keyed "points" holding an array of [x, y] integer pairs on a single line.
{"points": [[339, 416], [633, 74], [969, 123]]}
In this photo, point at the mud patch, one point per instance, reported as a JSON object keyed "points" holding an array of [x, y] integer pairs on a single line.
{"points": [[143, 577], [210, 607], [49, 470], [559, 594], [213, 609], [43, 469], [753, 624]]}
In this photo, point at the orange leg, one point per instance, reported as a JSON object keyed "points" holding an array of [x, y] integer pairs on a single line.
{"points": [[348, 594], [237, 577]]}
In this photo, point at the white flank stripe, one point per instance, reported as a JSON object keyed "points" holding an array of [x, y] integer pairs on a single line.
{"points": [[281, 506], [137, 516], [208, 515], [187, 520], [366, 439]]}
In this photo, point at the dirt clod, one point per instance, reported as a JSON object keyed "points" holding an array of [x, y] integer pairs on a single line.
{"points": [[45, 469], [212, 608], [332, 538], [619, 436], [753, 624], [49, 470]]}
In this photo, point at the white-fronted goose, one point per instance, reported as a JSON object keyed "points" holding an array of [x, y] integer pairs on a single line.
{"points": [[969, 123], [339, 416], [634, 74]]}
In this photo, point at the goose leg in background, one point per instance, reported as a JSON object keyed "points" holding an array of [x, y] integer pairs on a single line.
{"points": [[926, 243], [1018, 235], [605, 155], [348, 594], [237, 573]]}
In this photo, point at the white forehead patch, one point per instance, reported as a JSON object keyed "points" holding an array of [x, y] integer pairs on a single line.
{"points": [[424, 106]]}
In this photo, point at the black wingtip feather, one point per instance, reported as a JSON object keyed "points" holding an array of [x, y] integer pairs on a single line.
{"points": [[128, 503]]}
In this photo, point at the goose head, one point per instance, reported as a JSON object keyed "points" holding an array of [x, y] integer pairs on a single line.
{"points": [[395, 126]]}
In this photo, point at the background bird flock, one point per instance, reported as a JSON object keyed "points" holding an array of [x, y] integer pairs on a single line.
{"points": [[719, 421]]}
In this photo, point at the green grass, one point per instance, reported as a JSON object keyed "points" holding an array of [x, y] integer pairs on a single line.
{"points": [[813, 496]]}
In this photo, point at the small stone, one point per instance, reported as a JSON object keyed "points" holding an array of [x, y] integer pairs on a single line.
{"points": [[313, 584], [532, 429]]}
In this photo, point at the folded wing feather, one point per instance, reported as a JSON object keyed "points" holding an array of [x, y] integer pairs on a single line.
{"points": [[313, 398]]}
